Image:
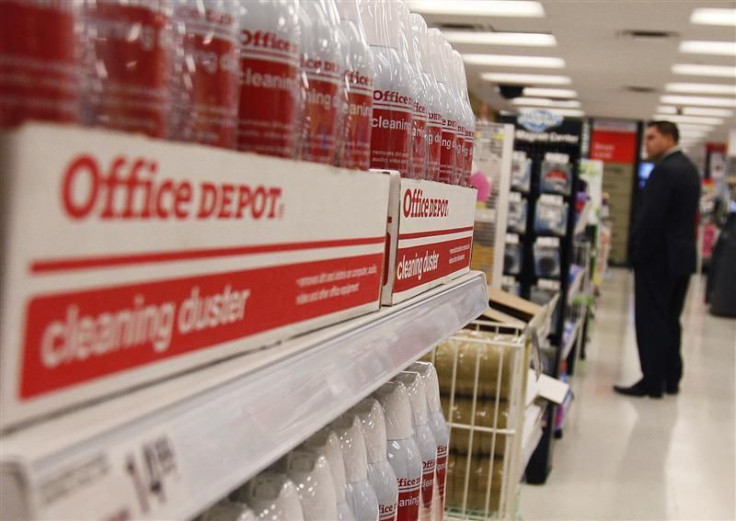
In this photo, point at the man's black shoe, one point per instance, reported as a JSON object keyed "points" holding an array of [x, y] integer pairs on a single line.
{"points": [[672, 389], [637, 390]]}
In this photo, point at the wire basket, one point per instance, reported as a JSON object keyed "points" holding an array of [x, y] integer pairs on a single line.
{"points": [[482, 374]]}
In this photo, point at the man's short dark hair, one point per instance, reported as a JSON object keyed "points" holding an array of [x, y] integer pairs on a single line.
{"points": [[666, 128]]}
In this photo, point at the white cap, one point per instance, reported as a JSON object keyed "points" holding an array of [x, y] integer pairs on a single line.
{"points": [[431, 384], [371, 417], [350, 432], [397, 409], [380, 22], [229, 511], [417, 395], [326, 443], [275, 493], [312, 476]]}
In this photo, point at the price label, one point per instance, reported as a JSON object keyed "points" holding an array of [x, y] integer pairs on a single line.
{"points": [[554, 157], [551, 242], [139, 478]]}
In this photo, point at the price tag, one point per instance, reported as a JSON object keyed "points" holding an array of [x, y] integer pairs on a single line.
{"points": [[138, 478], [552, 199]]}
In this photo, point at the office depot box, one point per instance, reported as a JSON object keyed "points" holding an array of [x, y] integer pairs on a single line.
{"points": [[126, 259], [430, 234]]}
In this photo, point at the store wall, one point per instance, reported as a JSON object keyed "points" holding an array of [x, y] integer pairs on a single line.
{"points": [[615, 142]]}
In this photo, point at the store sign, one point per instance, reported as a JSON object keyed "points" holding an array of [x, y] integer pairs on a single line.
{"points": [[614, 141], [539, 120]]}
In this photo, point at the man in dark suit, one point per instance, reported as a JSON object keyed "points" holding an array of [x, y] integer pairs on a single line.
{"points": [[663, 254]]}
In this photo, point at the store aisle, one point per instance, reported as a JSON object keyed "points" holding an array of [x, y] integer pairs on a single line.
{"points": [[627, 458]]}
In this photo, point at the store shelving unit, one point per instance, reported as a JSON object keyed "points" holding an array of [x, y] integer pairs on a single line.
{"points": [[170, 450]]}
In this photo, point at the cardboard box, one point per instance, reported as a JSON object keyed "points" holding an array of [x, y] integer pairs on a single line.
{"points": [[482, 259], [430, 235], [513, 306], [126, 259]]}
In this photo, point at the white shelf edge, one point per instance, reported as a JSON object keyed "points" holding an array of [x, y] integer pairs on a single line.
{"points": [[230, 420]]}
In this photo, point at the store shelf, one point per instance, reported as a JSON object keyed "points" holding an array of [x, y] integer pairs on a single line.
{"points": [[568, 340], [576, 286], [533, 429], [582, 221], [170, 450]]}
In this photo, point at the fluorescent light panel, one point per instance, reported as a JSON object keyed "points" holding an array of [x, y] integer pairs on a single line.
{"points": [[525, 79], [489, 38], [704, 101], [562, 112], [544, 102], [521, 9], [541, 92], [708, 47], [695, 111], [693, 69], [502, 60], [714, 16], [702, 88], [689, 119]]}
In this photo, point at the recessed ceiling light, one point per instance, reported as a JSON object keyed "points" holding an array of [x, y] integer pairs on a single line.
{"points": [[502, 60], [521, 8], [695, 111], [702, 88], [704, 101], [488, 38], [562, 112], [525, 79], [543, 102], [693, 69], [689, 119], [541, 92], [708, 47], [714, 16]]}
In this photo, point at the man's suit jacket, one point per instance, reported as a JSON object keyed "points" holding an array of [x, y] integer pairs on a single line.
{"points": [[664, 233]]}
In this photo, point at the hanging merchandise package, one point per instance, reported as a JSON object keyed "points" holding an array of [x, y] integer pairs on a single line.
{"points": [[556, 178], [517, 213], [547, 257], [521, 172], [513, 256], [551, 215]]}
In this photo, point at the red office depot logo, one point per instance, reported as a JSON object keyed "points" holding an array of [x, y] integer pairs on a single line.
{"points": [[416, 205], [131, 188]]}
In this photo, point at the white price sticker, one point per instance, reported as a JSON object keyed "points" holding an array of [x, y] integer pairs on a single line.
{"points": [[134, 479], [554, 157], [552, 242]]}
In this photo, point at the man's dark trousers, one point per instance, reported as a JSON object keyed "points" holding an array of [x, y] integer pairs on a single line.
{"points": [[660, 299]]}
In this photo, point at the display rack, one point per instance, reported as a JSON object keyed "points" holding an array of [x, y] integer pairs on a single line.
{"points": [[170, 450]]}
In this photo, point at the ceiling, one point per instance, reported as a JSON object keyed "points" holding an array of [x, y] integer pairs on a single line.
{"points": [[599, 60]]}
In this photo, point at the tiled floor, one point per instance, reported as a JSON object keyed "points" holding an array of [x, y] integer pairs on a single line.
{"points": [[627, 458]]}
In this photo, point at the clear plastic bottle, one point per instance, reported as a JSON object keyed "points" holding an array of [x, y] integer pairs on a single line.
{"points": [[458, 113], [418, 164], [312, 476], [380, 473], [323, 65], [326, 443], [205, 83], [355, 149], [361, 496], [393, 104], [403, 453], [441, 433], [228, 511], [435, 104], [469, 121], [424, 438], [449, 121], [127, 65], [273, 497], [270, 95], [39, 77]]}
